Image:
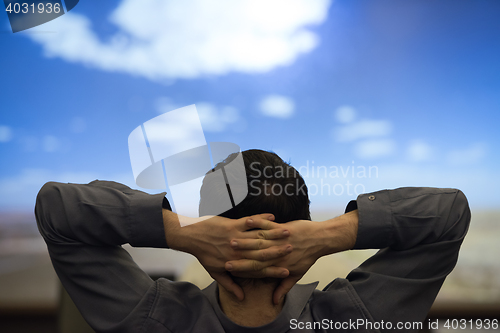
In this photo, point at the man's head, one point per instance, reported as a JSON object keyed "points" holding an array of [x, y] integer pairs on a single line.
{"points": [[273, 187]]}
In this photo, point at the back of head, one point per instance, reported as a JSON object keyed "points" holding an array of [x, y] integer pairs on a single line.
{"points": [[273, 187]]}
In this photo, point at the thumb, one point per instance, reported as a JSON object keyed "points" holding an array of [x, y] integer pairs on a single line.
{"points": [[227, 282], [284, 288]]}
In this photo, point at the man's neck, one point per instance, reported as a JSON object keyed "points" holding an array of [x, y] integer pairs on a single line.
{"points": [[256, 309]]}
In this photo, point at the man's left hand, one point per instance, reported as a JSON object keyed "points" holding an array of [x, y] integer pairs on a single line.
{"points": [[212, 242]]}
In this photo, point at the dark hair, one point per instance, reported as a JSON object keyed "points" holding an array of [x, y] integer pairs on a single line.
{"points": [[274, 187]]}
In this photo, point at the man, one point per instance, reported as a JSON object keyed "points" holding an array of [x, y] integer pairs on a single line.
{"points": [[419, 229], [273, 187]]}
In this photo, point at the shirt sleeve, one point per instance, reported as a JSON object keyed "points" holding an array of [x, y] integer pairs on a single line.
{"points": [[84, 226], [419, 232]]}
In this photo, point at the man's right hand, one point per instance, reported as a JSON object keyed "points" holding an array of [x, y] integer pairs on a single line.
{"points": [[210, 239], [310, 241]]}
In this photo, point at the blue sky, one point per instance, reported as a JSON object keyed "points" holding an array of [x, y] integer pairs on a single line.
{"points": [[411, 88]]}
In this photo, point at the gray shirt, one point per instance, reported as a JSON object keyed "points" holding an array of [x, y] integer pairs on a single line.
{"points": [[419, 232]]}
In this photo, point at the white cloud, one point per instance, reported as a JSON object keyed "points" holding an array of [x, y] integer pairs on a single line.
{"points": [[51, 144], [362, 129], [160, 39], [5, 134], [468, 155], [78, 125], [217, 119], [173, 132], [419, 151], [345, 114], [47, 143], [166, 104], [19, 191], [375, 148], [29, 143], [277, 106], [213, 118]]}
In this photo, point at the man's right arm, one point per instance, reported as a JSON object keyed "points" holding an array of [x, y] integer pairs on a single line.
{"points": [[420, 231]]}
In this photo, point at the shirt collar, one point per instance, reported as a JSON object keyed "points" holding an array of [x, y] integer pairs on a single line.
{"points": [[295, 302]]}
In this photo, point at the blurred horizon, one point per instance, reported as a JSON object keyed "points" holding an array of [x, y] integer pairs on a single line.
{"points": [[473, 281]]}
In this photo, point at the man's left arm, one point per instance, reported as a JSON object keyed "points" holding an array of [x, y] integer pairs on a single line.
{"points": [[84, 226]]}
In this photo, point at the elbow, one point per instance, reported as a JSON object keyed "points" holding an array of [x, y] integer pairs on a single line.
{"points": [[49, 193], [47, 200], [462, 205], [460, 213]]}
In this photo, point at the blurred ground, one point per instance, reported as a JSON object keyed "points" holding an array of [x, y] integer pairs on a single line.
{"points": [[28, 283]]}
